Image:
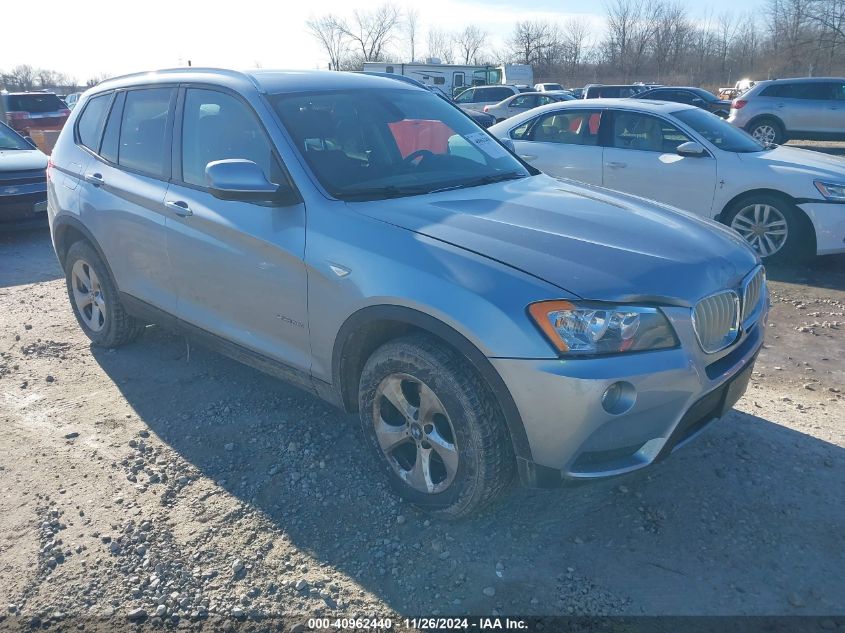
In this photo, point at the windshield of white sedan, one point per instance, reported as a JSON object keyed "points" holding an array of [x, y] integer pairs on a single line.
{"points": [[10, 140], [366, 145], [723, 135]]}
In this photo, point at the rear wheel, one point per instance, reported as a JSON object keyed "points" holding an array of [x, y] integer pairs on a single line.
{"points": [[434, 426], [772, 226], [767, 130], [95, 300]]}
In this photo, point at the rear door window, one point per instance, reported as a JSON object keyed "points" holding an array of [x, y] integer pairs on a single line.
{"points": [[143, 130], [90, 125]]}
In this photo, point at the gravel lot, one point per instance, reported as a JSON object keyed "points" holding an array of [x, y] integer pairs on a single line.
{"points": [[176, 484]]}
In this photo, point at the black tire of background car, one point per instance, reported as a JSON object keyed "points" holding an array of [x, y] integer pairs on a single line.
{"points": [[799, 241], [120, 328], [487, 464]]}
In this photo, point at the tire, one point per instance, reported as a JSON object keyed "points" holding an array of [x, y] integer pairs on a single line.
{"points": [[767, 130], [751, 215], [95, 300], [446, 404]]}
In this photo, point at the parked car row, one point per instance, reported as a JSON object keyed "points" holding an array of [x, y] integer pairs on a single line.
{"points": [[786, 202]]}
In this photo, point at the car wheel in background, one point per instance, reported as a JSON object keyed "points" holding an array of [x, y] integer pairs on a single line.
{"points": [[95, 299], [767, 130], [772, 226], [434, 426]]}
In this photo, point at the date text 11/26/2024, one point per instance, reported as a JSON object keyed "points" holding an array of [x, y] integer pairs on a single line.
{"points": [[481, 624]]}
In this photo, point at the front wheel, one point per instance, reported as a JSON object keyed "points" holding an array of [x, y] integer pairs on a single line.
{"points": [[772, 226], [768, 131], [435, 428]]}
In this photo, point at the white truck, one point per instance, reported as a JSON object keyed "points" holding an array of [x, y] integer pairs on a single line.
{"points": [[452, 78]]}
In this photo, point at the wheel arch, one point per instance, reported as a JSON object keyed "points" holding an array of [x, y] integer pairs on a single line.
{"points": [[773, 117], [369, 328], [66, 231], [722, 216]]}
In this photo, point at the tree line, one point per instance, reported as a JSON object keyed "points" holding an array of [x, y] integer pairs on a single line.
{"points": [[24, 78], [639, 40]]}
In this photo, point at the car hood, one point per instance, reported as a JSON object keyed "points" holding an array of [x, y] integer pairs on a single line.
{"points": [[794, 159], [21, 159], [591, 242]]}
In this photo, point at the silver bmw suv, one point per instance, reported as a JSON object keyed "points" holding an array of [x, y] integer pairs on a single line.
{"points": [[365, 240]]}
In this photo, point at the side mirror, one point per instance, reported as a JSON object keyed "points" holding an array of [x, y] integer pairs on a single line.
{"points": [[698, 103], [29, 140], [240, 179], [691, 149], [508, 143]]}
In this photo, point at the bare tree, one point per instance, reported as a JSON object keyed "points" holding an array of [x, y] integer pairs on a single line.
{"points": [[329, 31], [528, 41], [574, 36], [96, 79], [20, 78], [469, 43], [411, 27], [441, 46], [372, 31]]}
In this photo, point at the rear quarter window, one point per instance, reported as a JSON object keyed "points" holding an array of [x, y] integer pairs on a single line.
{"points": [[90, 126]]}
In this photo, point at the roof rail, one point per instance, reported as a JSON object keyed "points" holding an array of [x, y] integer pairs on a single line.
{"points": [[227, 71]]}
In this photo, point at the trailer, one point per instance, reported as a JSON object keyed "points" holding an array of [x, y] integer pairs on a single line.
{"points": [[453, 78]]}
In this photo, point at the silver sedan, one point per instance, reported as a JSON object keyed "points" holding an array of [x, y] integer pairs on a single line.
{"points": [[517, 104]]}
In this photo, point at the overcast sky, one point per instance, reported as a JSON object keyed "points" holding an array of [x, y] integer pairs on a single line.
{"points": [[119, 36]]}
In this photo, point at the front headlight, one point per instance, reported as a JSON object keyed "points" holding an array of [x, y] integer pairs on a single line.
{"points": [[586, 329], [830, 190]]}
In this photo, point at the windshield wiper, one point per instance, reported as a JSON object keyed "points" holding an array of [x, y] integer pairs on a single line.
{"points": [[380, 193], [483, 180]]}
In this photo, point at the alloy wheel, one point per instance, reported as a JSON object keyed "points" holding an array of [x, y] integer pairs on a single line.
{"points": [[763, 226], [415, 433], [765, 133], [88, 295]]}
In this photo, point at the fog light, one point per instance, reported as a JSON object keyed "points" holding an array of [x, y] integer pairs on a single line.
{"points": [[619, 397]]}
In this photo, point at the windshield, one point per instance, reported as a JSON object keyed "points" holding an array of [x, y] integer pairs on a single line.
{"points": [[10, 140], [723, 135], [367, 145]]}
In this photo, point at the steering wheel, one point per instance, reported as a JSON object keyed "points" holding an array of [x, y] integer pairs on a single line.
{"points": [[422, 154]]}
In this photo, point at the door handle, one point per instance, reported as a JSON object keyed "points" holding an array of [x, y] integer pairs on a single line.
{"points": [[180, 207], [527, 156], [95, 179], [617, 165]]}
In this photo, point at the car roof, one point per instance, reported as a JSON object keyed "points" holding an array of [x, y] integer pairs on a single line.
{"points": [[634, 105], [265, 81], [808, 80], [659, 107]]}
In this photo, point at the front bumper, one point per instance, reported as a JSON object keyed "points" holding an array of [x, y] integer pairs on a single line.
{"points": [[829, 223], [678, 392]]}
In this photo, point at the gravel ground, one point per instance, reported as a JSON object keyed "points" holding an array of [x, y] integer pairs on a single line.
{"points": [[173, 484]]}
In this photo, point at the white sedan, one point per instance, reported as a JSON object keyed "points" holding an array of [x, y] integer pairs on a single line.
{"points": [[786, 202]]}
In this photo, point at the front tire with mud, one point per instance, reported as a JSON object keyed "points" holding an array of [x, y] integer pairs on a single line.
{"points": [[435, 426]]}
